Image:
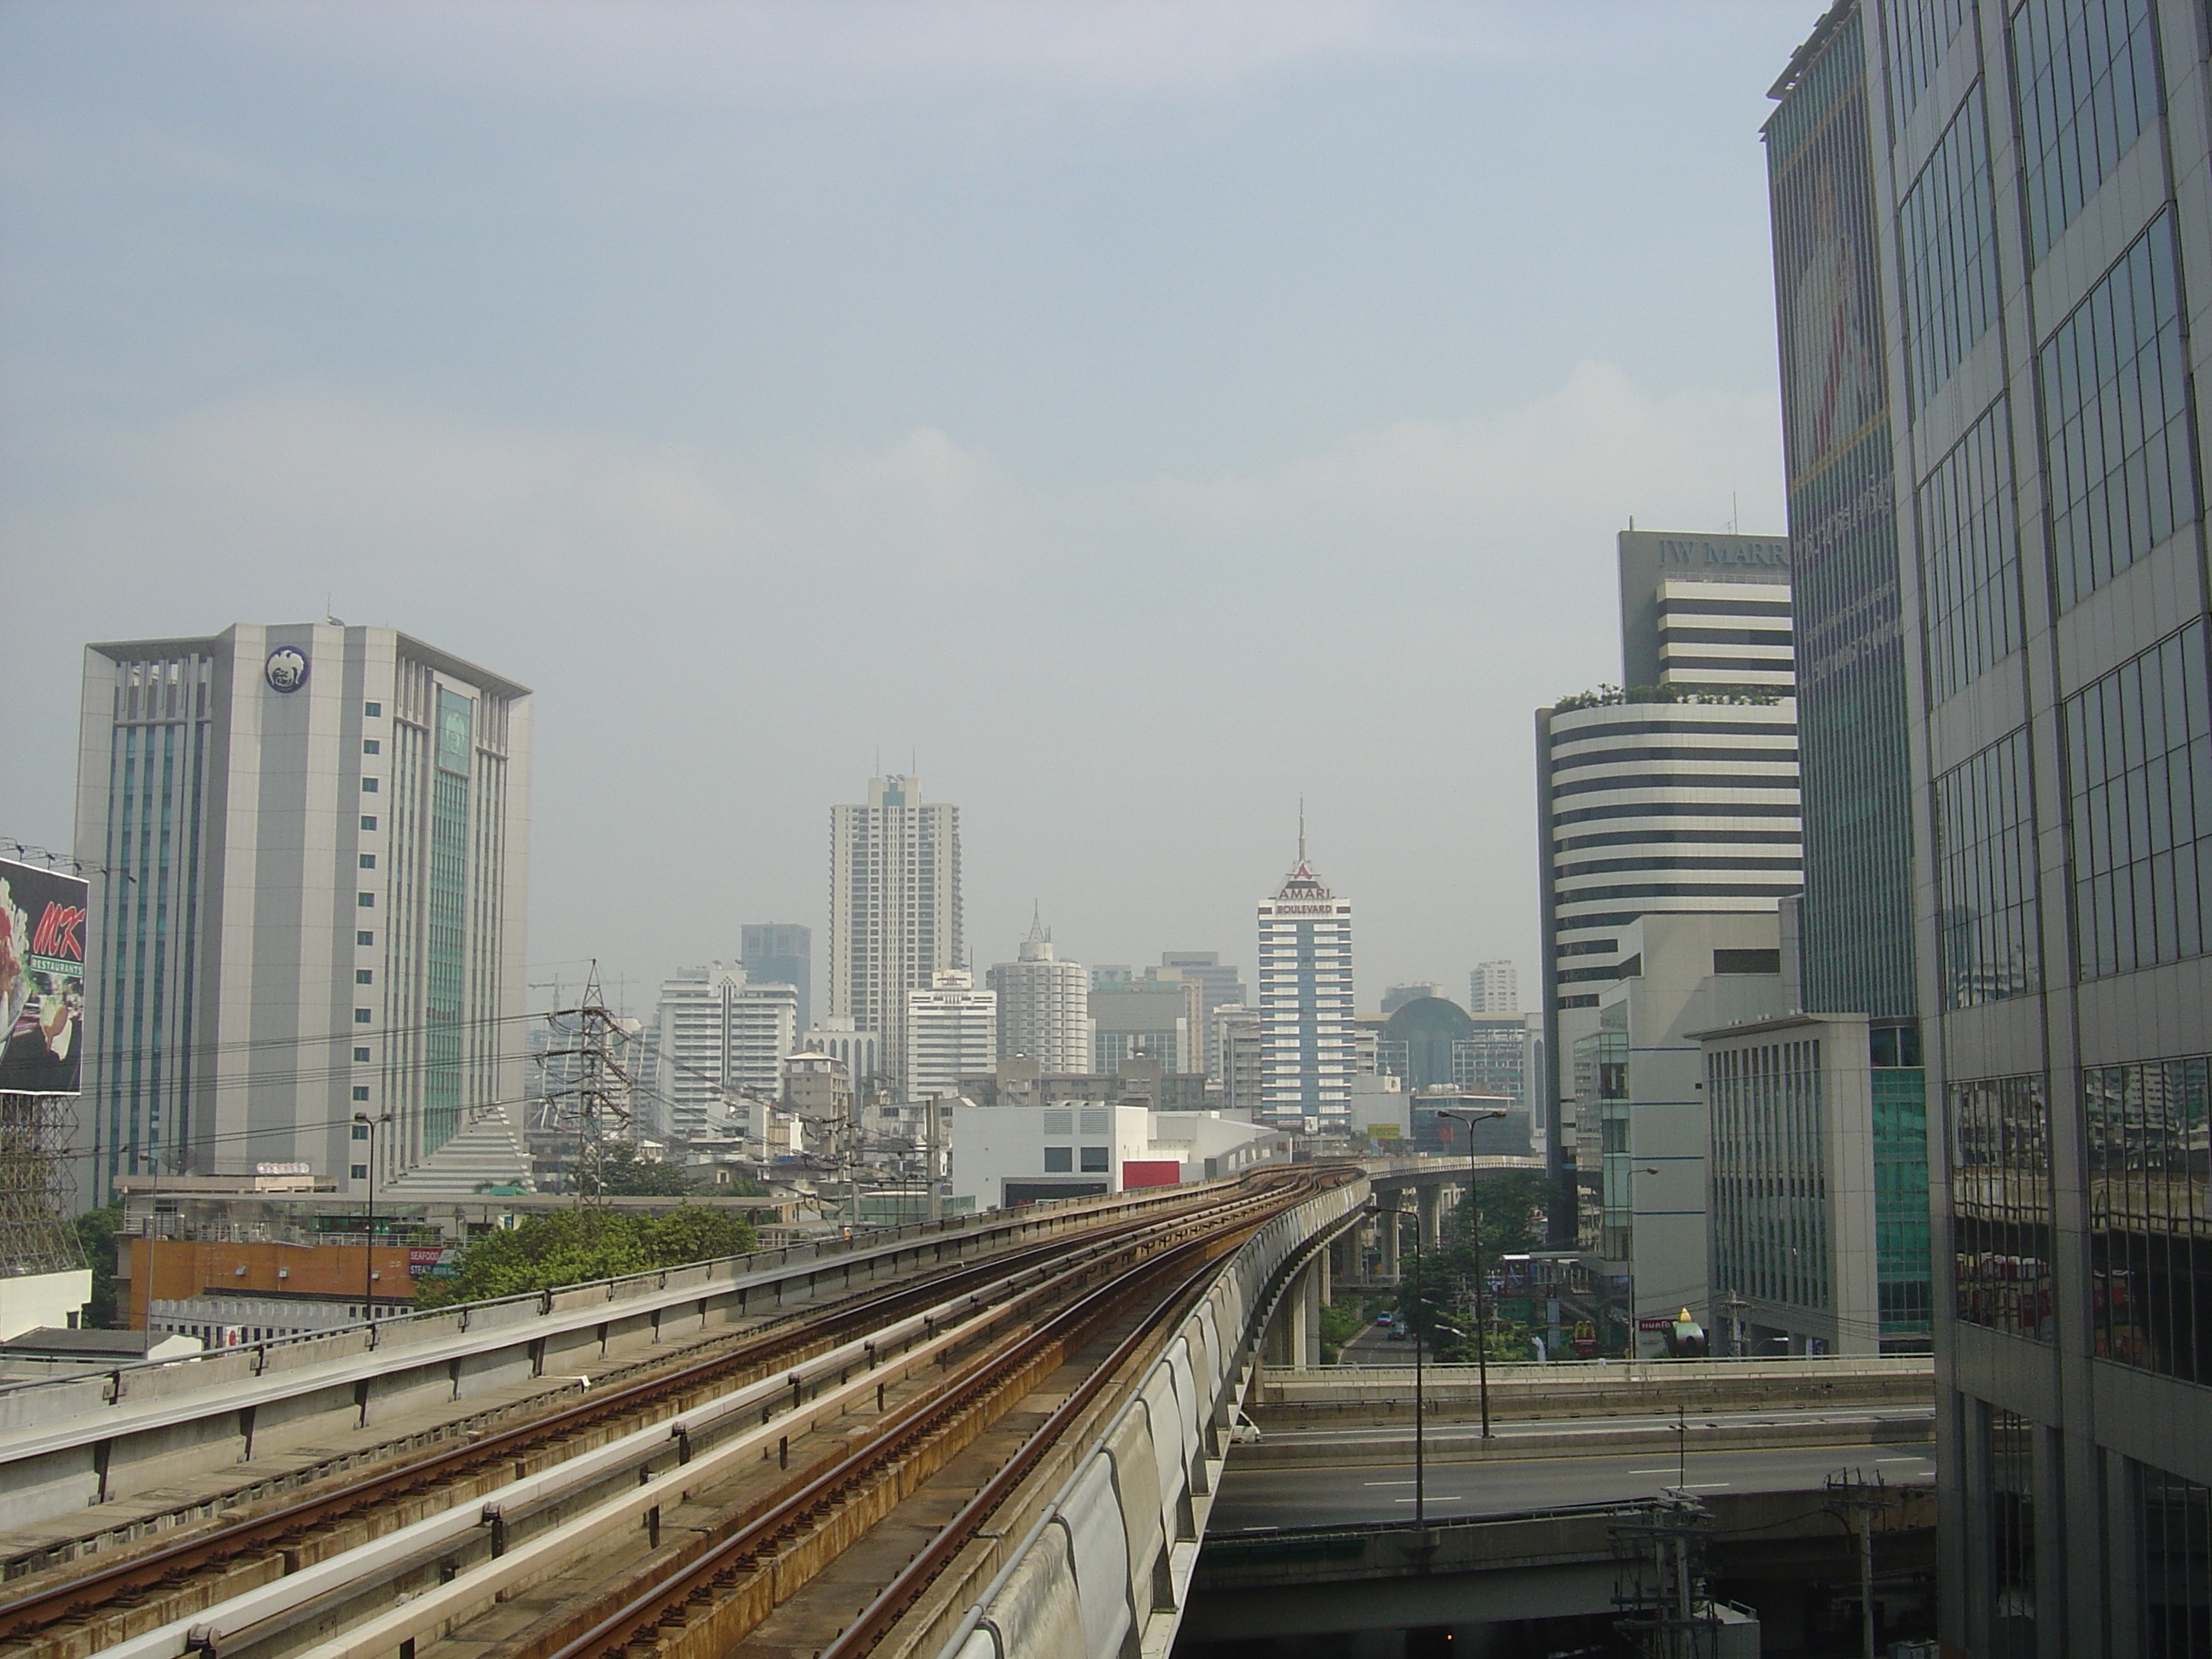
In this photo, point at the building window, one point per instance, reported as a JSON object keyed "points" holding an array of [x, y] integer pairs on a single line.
{"points": [[2087, 79], [1095, 1160], [366, 821], [2116, 452], [2011, 1474], [1949, 234], [365, 901], [360, 1092], [361, 1172], [364, 937], [2000, 1204], [2139, 799], [364, 976], [1058, 1160], [371, 746], [372, 710], [2150, 1214], [368, 786], [361, 1054], [1985, 875], [361, 1016], [1970, 555], [2173, 1535], [1917, 31], [368, 860]]}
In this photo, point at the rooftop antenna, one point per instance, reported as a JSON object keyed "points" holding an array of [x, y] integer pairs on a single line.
{"points": [[1302, 829]]}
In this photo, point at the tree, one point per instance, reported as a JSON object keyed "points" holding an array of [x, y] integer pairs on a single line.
{"points": [[547, 1252], [626, 1172], [95, 1237]]}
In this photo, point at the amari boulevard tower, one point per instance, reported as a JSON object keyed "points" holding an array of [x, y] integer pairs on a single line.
{"points": [[315, 846], [1308, 1039]]}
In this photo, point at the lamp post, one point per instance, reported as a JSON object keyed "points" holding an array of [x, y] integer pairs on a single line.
{"points": [[368, 1126], [1475, 1242]]}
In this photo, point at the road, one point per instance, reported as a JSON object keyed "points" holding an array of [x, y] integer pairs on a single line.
{"points": [[1265, 1496], [1459, 1428]]}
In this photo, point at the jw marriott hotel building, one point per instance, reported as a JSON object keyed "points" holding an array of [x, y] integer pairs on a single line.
{"points": [[314, 840]]}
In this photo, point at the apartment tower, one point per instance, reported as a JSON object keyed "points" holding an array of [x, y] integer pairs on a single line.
{"points": [[1308, 1046], [894, 907]]}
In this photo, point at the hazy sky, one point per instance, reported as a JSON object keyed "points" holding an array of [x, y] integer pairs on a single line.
{"points": [[1142, 413]]}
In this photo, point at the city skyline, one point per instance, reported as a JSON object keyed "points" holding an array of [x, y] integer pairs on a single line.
{"points": [[870, 459]]}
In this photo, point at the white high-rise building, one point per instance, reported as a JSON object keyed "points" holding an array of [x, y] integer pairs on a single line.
{"points": [[952, 1032], [1308, 1044], [861, 1053], [1494, 988], [1677, 793], [1044, 1006], [316, 838], [894, 906], [721, 1033]]}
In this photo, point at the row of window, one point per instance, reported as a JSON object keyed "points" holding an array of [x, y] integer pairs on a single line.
{"points": [[2138, 747], [2144, 1130], [1096, 1160]]}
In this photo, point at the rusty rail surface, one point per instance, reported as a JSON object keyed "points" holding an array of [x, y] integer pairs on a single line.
{"points": [[762, 1349]]}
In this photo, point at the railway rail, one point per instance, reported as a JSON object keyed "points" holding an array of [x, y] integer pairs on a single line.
{"points": [[336, 1557]]}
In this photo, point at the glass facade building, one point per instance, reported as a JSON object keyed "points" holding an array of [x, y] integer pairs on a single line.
{"points": [[2042, 217], [319, 839]]}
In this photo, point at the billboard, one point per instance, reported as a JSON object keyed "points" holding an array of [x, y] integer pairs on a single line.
{"points": [[42, 915]]}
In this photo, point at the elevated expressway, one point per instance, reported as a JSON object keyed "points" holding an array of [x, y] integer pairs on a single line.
{"points": [[992, 1439]]}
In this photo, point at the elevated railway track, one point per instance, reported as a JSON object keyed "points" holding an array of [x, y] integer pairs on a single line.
{"points": [[695, 1505]]}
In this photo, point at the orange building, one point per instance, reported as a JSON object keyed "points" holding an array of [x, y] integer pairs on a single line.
{"points": [[223, 1291]]}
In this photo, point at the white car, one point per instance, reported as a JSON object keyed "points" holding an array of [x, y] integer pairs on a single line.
{"points": [[1243, 1432]]}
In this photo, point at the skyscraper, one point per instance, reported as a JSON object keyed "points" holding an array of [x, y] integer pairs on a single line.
{"points": [[1042, 1006], [2042, 204], [1676, 791], [1494, 988], [1308, 1045], [894, 906], [783, 953], [952, 1032], [721, 1033], [317, 837]]}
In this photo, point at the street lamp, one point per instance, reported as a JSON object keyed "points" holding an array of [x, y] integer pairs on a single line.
{"points": [[1420, 1323], [365, 1129], [1475, 1241]]}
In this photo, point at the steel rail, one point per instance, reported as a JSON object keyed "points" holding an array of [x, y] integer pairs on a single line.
{"points": [[898, 1597], [738, 1553], [763, 1348]]}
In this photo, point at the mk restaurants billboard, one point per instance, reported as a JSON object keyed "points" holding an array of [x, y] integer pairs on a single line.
{"points": [[42, 915]]}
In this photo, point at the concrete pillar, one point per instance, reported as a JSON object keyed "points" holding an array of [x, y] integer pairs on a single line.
{"points": [[1432, 1201], [1386, 1224], [1293, 1338]]}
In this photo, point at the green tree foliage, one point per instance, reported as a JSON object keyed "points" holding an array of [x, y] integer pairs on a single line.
{"points": [[546, 1252], [626, 1172], [95, 1237], [1341, 1321]]}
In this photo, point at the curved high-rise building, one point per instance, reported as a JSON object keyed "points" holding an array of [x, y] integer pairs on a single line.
{"points": [[1044, 1006], [1678, 793]]}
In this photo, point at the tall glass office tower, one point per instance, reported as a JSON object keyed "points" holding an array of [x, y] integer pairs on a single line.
{"points": [[316, 846], [2042, 208]]}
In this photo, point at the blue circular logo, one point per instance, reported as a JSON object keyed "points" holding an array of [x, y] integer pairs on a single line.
{"points": [[286, 669]]}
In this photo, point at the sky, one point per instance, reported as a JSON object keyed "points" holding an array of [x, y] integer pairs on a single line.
{"points": [[1134, 416]]}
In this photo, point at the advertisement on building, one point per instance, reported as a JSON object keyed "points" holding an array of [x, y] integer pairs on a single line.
{"points": [[42, 915]]}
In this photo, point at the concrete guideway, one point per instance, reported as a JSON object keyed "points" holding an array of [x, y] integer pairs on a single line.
{"points": [[79, 1443], [1134, 1468]]}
